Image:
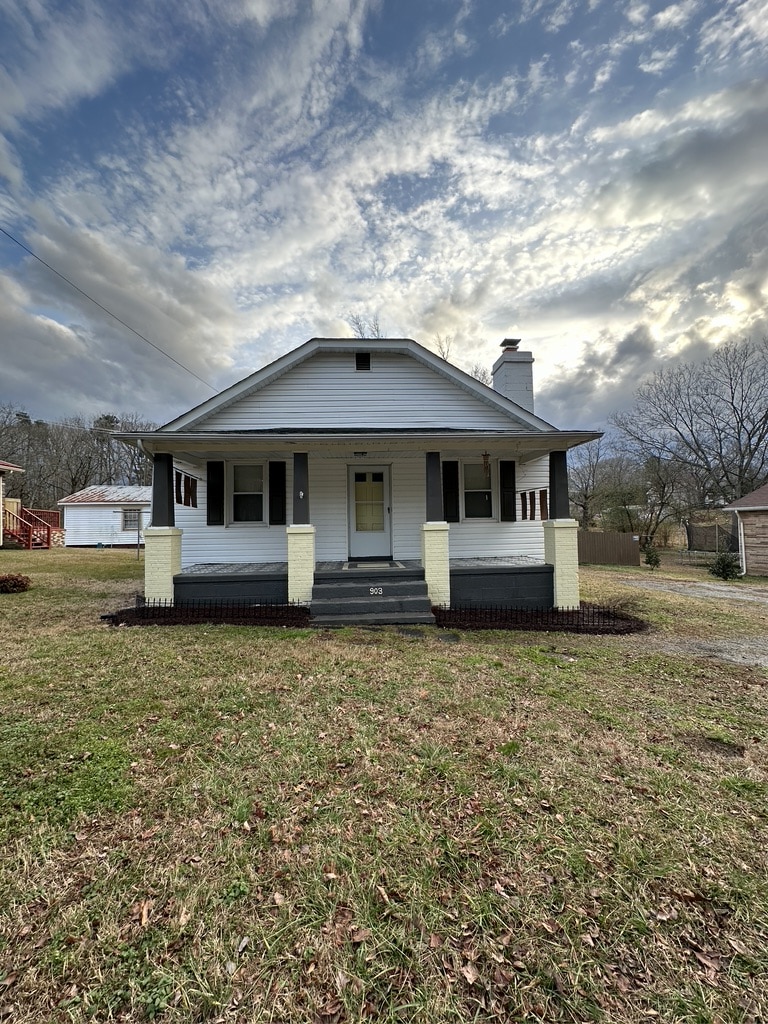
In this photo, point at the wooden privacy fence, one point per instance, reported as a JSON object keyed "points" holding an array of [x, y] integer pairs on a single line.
{"points": [[608, 548]]}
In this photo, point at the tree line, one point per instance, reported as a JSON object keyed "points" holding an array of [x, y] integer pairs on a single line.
{"points": [[695, 439], [59, 459]]}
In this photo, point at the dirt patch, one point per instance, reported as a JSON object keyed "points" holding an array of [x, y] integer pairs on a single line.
{"points": [[715, 591], [737, 650]]}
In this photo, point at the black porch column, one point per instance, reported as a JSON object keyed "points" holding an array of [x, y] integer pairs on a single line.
{"points": [[162, 490], [300, 488], [559, 506], [434, 489]]}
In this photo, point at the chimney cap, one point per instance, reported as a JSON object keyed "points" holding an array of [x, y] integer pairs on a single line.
{"points": [[511, 343]]}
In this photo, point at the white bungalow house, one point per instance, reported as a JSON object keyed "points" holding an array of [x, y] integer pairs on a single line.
{"points": [[106, 515], [349, 471]]}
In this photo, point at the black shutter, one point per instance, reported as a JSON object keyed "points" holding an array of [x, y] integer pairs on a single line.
{"points": [[451, 492], [215, 494], [507, 489], [277, 494]]}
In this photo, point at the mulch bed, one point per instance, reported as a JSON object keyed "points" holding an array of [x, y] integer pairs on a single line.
{"points": [[588, 618]]}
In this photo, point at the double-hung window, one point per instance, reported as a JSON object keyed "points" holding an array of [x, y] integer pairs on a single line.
{"points": [[478, 491], [247, 493], [132, 519]]}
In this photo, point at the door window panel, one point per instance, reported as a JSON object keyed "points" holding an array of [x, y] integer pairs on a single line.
{"points": [[369, 502]]}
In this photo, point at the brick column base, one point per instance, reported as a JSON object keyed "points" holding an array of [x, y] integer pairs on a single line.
{"points": [[434, 559], [561, 550], [162, 560], [301, 562]]}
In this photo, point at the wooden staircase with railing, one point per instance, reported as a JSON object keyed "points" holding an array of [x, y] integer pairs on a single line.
{"points": [[30, 528]]}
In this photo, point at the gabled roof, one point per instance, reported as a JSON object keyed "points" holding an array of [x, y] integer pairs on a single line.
{"points": [[392, 346], [8, 467], [756, 500], [104, 495]]}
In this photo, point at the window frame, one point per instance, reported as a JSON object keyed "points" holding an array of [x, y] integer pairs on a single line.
{"points": [[136, 526], [492, 490], [230, 492]]}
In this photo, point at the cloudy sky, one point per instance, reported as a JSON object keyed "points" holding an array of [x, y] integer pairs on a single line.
{"points": [[232, 177]]}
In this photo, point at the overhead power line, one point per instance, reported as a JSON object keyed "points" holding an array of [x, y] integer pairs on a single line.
{"points": [[105, 310]]}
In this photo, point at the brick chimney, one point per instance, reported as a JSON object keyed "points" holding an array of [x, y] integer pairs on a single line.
{"points": [[513, 374]]}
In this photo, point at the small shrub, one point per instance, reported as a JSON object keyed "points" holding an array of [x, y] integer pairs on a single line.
{"points": [[726, 566], [14, 583], [652, 557]]}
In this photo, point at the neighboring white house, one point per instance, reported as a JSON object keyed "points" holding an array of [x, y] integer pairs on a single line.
{"points": [[111, 516], [349, 452]]}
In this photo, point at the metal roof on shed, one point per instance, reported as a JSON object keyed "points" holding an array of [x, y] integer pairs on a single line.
{"points": [[109, 496]]}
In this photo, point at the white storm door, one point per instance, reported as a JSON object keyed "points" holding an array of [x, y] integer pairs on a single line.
{"points": [[370, 533]]}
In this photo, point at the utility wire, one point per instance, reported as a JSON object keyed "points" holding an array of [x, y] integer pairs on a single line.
{"points": [[104, 308]]}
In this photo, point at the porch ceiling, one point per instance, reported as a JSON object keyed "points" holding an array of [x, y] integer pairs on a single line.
{"points": [[199, 447]]}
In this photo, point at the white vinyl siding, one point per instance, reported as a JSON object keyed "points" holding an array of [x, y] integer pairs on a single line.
{"points": [[89, 525], [478, 538], [329, 515], [243, 542], [327, 391]]}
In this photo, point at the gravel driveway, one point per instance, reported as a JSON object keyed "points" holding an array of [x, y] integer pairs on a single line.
{"points": [[738, 650]]}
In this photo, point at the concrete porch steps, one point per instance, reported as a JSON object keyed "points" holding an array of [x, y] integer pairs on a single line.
{"points": [[369, 598]]}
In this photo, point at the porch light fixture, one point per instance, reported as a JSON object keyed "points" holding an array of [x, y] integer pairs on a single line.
{"points": [[487, 463]]}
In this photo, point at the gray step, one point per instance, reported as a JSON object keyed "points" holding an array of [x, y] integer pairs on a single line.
{"points": [[356, 605], [369, 589], [365, 597], [376, 619]]}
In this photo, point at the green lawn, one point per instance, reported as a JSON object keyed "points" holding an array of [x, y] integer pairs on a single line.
{"points": [[218, 823]]}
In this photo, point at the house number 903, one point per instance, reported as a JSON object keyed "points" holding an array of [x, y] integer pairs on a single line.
{"points": [[376, 590]]}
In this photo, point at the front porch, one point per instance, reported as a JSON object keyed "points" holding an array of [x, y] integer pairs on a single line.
{"points": [[508, 581]]}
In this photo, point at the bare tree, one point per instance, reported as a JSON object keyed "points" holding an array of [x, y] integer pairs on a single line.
{"points": [[365, 325], [481, 372], [61, 458], [709, 420], [589, 480], [443, 344]]}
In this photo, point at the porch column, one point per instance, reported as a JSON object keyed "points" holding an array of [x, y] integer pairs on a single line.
{"points": [[301, 487], [434, 559], [434, 489], [434, 537], [162, 541], [561, 536], [162, 560], [301, 562], [301, 535], [162, 490]]}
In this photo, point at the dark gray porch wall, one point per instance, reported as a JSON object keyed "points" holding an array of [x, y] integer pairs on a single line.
{"points": [[162, 490], [269, 587], [525, 586]]}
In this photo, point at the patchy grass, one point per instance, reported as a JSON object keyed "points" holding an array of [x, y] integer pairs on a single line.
{"points": [[217, 823]]}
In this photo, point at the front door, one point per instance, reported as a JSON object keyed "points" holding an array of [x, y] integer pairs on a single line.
{"points": [[370, 533]]}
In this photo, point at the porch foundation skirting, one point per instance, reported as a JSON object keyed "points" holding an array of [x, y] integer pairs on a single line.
{"points": [[162, 561], [436, 562], [301, 562], [562, 552]]}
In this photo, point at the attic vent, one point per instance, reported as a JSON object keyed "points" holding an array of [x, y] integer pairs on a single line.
{"points": [[362, 360]]}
